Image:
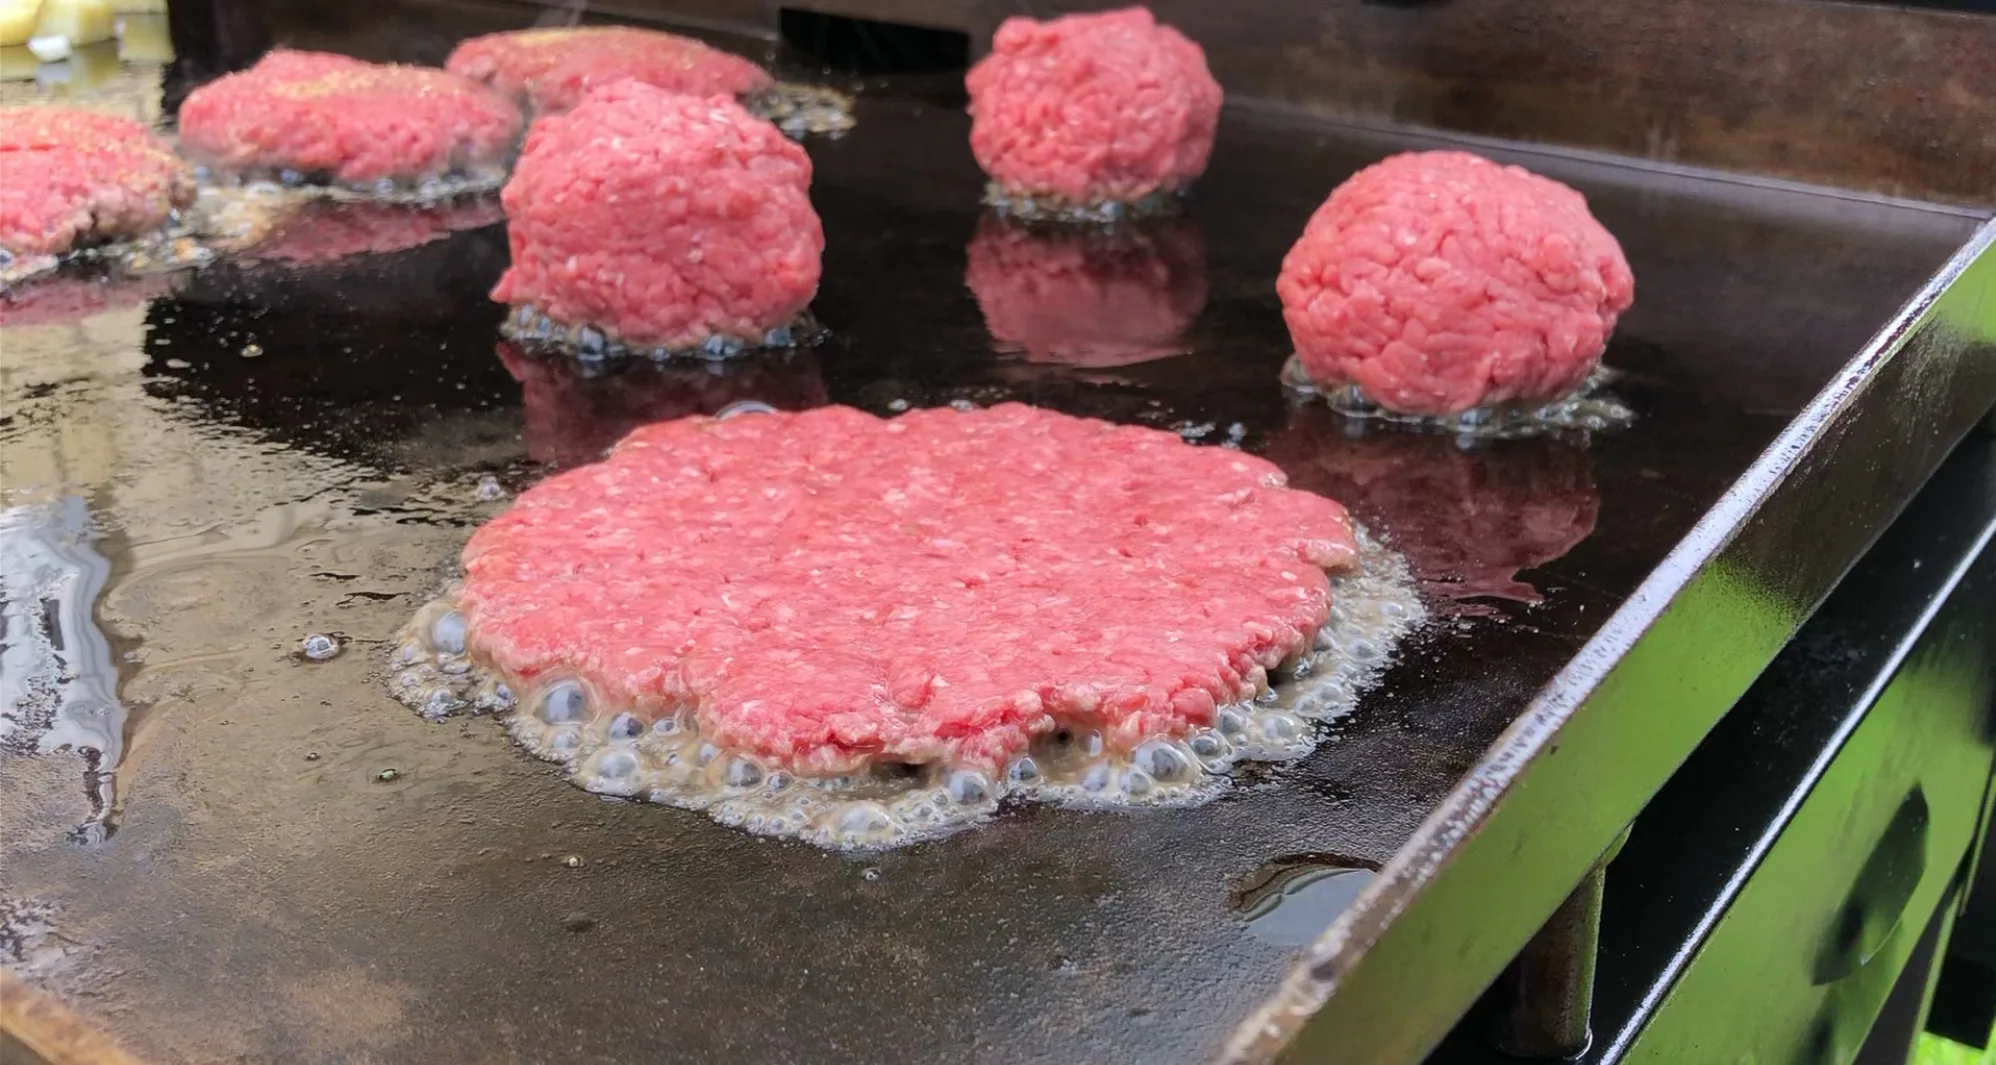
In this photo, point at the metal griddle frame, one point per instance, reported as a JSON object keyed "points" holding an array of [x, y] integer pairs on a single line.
{"points": [[1548, 804]]}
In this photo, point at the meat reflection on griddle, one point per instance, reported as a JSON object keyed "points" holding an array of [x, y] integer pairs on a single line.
{"points": [[325, 232], [574, 411], [73, 295], [1088, 297], [1468, 519]]}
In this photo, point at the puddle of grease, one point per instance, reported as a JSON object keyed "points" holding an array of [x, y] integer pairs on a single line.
{"points": [[58, 685], [1289, 902]]}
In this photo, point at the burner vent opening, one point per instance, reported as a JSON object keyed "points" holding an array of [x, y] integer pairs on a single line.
{"points": [[865, 46]]}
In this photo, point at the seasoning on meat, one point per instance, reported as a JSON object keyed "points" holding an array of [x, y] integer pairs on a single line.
{"points": [[318, 118], [1089, 297], [550, 70], [862, 631], [571, 412], [1439, 283], [1088, 115], [71, 178], [648, 222]]}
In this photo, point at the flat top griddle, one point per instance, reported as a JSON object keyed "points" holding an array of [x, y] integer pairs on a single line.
{"points": [[263, 888]]}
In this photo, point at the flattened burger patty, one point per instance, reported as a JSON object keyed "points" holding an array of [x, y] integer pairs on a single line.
{"points": [[828, 589], [70, 177], [552, 69], [354, 122]]}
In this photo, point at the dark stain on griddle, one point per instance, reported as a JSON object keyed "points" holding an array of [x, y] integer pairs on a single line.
{"points": [[269, 899]]}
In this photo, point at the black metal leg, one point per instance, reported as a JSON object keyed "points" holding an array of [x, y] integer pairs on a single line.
{"points": [[1552, 980], [1551, 983]]}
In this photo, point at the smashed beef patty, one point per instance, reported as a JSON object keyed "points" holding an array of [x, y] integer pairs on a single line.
{"points": [[552, 69], [347, 121], [829, 589], [70, 178]]}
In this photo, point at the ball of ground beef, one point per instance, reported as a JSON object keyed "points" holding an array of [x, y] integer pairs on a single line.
{"points": [[70, 177], [552, 69], [1438, 282], [1090, 298], [662, 220], [349, 121], [1099, 108]]}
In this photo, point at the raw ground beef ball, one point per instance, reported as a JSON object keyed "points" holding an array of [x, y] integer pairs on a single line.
{"points": [[1467, 519], [1438, 282], [328, 116], [1092, 298], [570, 416], [662, 221], [551, 70], [1092, 109], [70, 178]]}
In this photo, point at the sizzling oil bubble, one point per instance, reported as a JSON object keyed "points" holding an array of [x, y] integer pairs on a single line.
{"points": [[1589, 408], [661, 754], [587, 343], [743, 406], [798, 110], [462, 180], [564, 703], [447, 633], [1048, 207]]}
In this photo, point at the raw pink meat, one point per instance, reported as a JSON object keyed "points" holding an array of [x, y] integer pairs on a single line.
{"points": [[662, 220], [829, 589], [69, 177], [1440, 281], [319, 113], [552, 69], [1094, 108]]}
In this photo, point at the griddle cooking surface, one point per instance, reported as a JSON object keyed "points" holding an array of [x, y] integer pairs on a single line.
{"points": [[268, 897]]}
